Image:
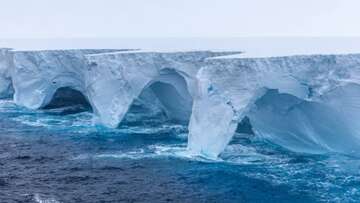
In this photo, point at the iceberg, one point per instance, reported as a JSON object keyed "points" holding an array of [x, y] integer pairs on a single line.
{"points": [[306, 103]]}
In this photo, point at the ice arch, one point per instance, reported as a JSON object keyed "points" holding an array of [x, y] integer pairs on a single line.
{"points": [[171, 90], [168, 86], [231, 88], [117, 79], [166, 97], [37, 75]]}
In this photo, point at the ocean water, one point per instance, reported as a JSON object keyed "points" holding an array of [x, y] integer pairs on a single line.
{"points": [[61, 155]]}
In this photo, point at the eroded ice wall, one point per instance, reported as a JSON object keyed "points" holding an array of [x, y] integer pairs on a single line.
{"points": [[6, 64], [117, 79], [303, 103], [38, 74], [310, 88]]}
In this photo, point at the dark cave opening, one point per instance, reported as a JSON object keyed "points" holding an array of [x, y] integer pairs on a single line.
{"points": [[68, 101]]}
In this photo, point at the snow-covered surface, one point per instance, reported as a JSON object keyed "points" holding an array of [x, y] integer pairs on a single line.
{"points": [[252, 46]]}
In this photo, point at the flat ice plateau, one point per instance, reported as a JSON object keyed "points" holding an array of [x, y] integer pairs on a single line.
{"points": [[303, 101]]}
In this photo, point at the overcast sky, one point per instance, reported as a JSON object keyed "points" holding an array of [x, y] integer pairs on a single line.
{"points": [[178, 18]]}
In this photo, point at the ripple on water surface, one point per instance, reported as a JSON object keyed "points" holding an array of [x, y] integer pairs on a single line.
{"points": [[46, 156]]}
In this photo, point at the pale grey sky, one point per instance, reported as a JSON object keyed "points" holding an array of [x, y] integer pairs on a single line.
{"points": [[177, 18]]}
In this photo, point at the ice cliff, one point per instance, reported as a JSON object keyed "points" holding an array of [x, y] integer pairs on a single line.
{"points": [[302, 103], [6, 62]]}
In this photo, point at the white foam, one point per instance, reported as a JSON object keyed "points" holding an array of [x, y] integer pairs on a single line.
{"points": [[39, 199]]}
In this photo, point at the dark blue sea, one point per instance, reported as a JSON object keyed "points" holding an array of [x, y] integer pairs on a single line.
{"points": [[61, 155]]}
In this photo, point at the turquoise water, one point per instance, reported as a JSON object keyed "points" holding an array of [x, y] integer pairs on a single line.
{"points": [[61, 155]]}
